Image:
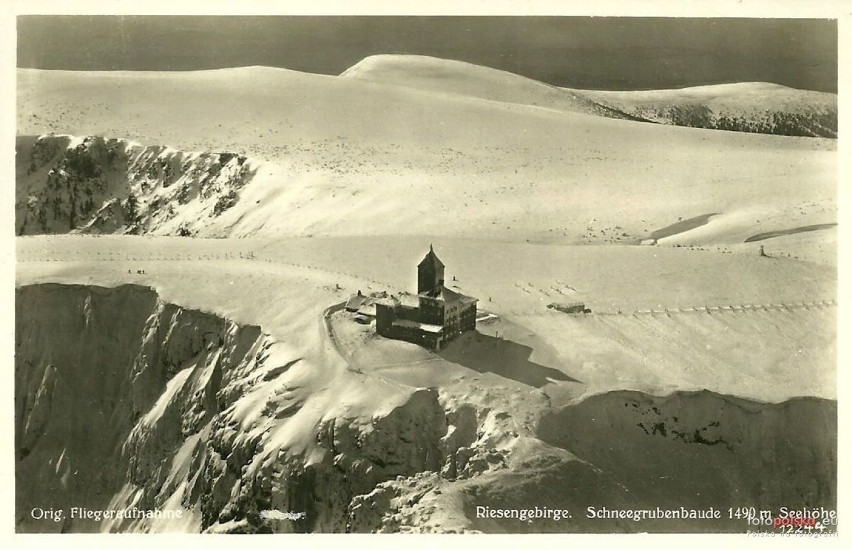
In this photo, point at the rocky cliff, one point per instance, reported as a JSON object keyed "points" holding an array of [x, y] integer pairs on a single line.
{"points": [[124, 402], [94, 184]]}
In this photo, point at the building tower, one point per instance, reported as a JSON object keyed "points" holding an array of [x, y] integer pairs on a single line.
{"points": [[430, 272]]}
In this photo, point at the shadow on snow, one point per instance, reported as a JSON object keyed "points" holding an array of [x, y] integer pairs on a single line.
{"points": [[502, 357]]}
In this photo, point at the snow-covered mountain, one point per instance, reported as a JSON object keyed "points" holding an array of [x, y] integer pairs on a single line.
{"points": [[444, 76], [458, 150], [222, 378], [757, 107]]}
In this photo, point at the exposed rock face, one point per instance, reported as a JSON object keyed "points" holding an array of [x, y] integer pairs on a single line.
{"points": [[701, 449], [356, 458], [100, 185], [123, 401], [752, 107], [808, 122], [109, 384]]}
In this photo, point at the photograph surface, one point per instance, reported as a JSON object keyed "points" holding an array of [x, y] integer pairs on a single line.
{"points": [[425, 274]]}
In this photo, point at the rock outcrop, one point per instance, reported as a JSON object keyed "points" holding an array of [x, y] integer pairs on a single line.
{"points": [[125, 402], [98, 185], [185, 421]]}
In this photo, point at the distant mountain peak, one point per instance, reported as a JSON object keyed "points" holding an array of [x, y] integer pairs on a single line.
{"points": [[406, 61], [753, 107]]}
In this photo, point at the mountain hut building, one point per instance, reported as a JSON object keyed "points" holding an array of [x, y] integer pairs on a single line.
{"points": [[440, 314]]}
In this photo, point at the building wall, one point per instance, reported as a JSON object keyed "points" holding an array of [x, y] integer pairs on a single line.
{"points": [[425, 339], [384, 319], [467, 319], [408, 313], [385, 316], [428, 278], [460, 319], [431, 311], [451, 321], [455, 319]]}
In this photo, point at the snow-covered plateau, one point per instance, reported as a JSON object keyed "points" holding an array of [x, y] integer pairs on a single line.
{"points": [[186, 240]]}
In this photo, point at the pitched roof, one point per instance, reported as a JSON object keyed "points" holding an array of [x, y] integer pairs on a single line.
{"points": [[450, 296], [409, 300], [355, 301], [402, 299], [431, 259]]}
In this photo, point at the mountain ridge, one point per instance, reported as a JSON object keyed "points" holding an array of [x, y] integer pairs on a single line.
{"points": [[342, 156], [754, 107]]}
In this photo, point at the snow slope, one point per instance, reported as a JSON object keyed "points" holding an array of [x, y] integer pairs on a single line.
{"points": [[387, 159], [295, 427], [759, 107], [746, 106], [444, 76]]}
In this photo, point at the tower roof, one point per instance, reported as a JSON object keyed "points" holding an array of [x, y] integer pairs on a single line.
{"points": [[431, 260]]}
